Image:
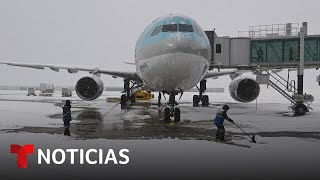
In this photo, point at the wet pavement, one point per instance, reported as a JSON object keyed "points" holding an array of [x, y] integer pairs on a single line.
{"points": [[163, 151], [143, 121]]}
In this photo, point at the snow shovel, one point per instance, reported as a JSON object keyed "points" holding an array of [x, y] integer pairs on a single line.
{"points": [[253, 138]]}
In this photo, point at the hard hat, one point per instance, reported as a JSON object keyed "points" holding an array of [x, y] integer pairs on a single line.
{"points": [[225, 107]]}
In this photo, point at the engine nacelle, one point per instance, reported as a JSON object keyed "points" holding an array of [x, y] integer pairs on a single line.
{"points": [[244, 89], [89, 87]]}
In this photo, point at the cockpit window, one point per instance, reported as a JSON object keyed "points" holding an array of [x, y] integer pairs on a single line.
{"points": [[156, 30], [185, 28], [170, 28], [197, 31]]}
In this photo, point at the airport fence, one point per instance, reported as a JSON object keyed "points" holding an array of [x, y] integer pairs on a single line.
{"points": [[36, 87]]}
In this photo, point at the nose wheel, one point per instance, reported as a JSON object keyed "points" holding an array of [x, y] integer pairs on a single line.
{"points": [[177, 115], [204, 99], [168, 114], [172, 111]]}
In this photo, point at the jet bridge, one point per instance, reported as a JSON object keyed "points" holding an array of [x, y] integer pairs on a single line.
{"points": [[266, 48]]}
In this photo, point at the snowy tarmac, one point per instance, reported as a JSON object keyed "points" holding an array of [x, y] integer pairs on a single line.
{"points": [[287, 146]]}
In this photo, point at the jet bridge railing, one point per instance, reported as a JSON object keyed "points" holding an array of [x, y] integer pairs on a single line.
{"points": [[281, 85], [284, 82], [272, 30]]}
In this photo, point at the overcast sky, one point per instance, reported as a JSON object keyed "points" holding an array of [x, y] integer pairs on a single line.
{"points": [[103, 32]]}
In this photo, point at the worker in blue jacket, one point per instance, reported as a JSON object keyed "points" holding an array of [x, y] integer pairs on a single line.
{"points": [[219, 119], [67, 117]]}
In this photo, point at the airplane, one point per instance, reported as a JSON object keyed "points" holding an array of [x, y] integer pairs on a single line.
{"points": [[172, 55]]}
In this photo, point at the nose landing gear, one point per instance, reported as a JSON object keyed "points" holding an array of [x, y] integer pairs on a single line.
{"points": [[201, 98], [127, 99], [171, 111]]}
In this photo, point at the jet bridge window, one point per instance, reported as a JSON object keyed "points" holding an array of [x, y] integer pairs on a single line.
{"points": [[185, 28], [170, 28], [156, 30], [218, 48]]}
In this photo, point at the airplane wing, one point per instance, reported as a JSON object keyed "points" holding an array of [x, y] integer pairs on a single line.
{"points": [[130, 63], [215, 73], [74, 69]]}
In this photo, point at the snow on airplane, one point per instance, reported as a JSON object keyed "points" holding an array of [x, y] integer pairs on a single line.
{"points": [[172, 55]]}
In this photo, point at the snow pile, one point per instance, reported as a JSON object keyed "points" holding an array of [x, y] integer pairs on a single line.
{"points": [[134, 115], [17, 114]]}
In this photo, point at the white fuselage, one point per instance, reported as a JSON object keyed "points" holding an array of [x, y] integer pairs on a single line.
{"points": [[172, 72], [172, 61]]}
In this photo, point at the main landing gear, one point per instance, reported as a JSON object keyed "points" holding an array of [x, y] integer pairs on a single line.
{"points": [[127, 99], [171, 111], [159, 99], [201, 98]]}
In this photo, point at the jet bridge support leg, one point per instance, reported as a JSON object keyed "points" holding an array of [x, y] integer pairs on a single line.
{"points": [[300, 108], [284, 87], [201, 98]]}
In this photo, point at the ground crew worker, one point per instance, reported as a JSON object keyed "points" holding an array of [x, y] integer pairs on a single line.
{"points": [[290, 54], [218, 121], [67, 117], [260, 54]]}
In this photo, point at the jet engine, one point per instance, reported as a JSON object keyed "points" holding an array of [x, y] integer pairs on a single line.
{"points": [[89, 87], [244, 89]]}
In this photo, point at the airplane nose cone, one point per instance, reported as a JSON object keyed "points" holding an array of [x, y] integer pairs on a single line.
{"points": [[186, 43], [173, 72], [174, 64], [176, 40]]}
